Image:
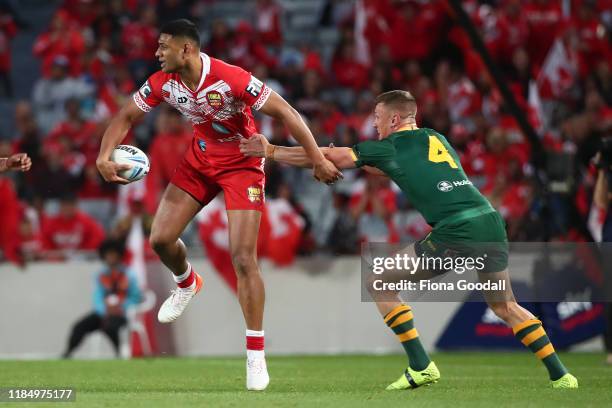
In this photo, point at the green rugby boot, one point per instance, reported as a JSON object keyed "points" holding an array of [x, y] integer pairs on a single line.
{"points": [[414, 379], [567, 381]]}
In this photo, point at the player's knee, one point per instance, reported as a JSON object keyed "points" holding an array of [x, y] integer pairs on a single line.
{"points": [[244, 261], [159, 241]]}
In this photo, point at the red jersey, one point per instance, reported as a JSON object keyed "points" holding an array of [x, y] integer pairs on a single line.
{"points": [[78, 232], [219, 109]]}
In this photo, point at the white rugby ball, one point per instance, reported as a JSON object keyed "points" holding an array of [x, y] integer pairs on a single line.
{"points": [[126, 154]]}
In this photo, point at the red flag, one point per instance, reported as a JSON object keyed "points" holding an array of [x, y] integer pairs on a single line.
{"points": [[558, 71], [281, 232], [214, 234]]}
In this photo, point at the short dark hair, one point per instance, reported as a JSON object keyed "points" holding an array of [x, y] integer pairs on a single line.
{"points": [[182, 28], [68, 197], [403, 101], [112, 245]]}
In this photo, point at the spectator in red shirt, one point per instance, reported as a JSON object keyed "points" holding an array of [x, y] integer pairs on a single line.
{"points": [[220, 38], [82, 12], [267, 22], [307, 95], [517, 27], [70, 230], [166, 151], [246, 51], [8, 29], [9, 203], [139, 40], [408, 24], [591, 35], [544, 18], [82, 134], [60, 40], [373, 208], [361, 119], [348, 71], [9, 219], [113, 90]]}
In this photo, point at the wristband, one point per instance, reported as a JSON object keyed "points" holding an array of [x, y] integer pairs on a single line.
{"points": [[270, 151]]}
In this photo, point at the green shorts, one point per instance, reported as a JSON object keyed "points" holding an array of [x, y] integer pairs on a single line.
{"points": [[478, 233]]}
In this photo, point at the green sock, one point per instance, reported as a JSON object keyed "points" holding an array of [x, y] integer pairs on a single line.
{"points": [[400, 320], [532, 335]]}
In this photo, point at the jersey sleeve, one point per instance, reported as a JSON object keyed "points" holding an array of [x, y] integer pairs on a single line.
{"points": [[253, 92], [372, 152], [149, 94]]}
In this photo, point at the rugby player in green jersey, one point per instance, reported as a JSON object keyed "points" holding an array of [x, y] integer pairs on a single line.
{"points": [[427, 169]]}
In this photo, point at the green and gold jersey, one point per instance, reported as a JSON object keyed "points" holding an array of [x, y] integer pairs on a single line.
{"points": [[426, 168]]}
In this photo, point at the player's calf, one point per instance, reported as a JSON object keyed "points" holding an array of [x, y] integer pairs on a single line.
{"points": [[421, 370], [529, 331], [532, 335]]}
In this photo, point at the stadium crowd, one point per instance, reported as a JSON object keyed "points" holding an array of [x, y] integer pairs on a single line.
{"points": [[555, 57]]}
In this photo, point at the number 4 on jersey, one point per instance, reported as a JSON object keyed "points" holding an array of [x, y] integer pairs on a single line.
{"points": [[439, 154]]}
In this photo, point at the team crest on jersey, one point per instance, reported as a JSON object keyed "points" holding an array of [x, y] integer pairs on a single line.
{"points": [[145, 89], [215, 99], [255, 194]]}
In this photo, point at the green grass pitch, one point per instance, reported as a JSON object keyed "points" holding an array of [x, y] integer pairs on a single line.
{"points": [[468, 380]]}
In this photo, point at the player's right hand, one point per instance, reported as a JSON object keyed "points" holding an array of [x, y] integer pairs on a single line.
{"points": [[326, 172], [109, 170]]}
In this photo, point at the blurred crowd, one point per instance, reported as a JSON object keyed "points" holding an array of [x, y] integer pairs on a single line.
{"points": [[554, 55]]}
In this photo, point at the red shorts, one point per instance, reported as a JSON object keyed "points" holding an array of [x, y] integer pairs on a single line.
{"points": [[243, 187]]}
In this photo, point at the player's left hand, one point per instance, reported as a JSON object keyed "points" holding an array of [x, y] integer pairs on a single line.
{"points": [[255, 146], [19, 161]]}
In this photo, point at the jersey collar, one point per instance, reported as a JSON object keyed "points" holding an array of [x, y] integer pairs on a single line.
{"points": [[205, 68], [407, 127]]}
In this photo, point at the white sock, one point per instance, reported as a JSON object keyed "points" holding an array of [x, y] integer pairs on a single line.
{"points": [[185, 275], [255, 354]]}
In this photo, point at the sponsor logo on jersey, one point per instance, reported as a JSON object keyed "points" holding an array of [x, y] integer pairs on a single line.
{"points": [[145, 89], [230, 139], [254, 193], [254, 87], [220, 128], [446, 186], [202, 145], [181, 99], [215, 99]]}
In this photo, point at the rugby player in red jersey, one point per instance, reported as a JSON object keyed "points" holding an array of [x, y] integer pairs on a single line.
{"points": [[217, 98]]}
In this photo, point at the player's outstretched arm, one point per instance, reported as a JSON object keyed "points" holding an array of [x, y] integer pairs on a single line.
{"points": [[277, 107], [18, 161], [258, 146], [114, 134]]}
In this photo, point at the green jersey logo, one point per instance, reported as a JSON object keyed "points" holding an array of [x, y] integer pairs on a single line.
{"points": [[445, 186]]}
